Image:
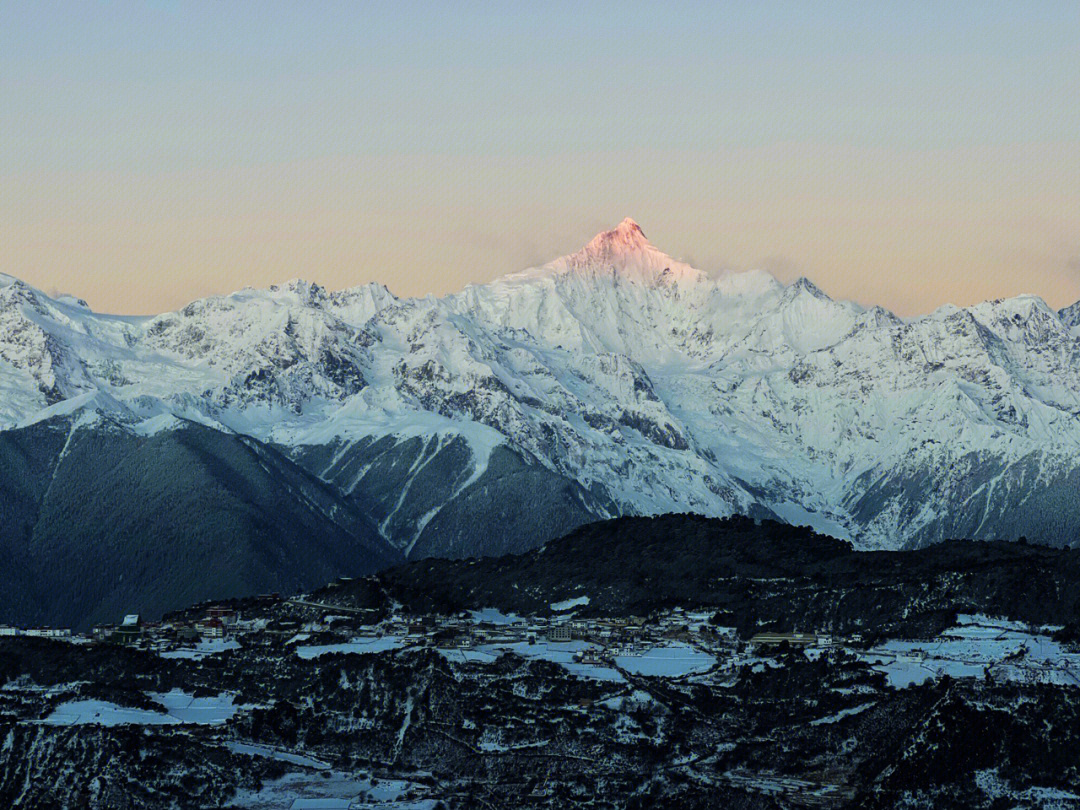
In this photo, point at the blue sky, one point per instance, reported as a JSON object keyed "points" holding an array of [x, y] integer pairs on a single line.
{"points": [[158, 151]]}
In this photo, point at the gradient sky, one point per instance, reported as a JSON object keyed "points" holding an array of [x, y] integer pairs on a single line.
{"points": [[906, 154]]}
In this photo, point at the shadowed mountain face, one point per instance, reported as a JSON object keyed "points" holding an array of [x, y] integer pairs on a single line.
{"points": [[102, 522], [428, 490], [614, 381]]}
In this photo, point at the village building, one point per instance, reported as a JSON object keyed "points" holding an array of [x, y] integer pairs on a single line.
{"points": [[47, 632], [559, 632], [211, 628], [130, 629], [227, 616], [771, 640], [589, 656]]}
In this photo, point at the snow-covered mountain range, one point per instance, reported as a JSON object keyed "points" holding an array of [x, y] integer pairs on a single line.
{"points": [[614, 380]]}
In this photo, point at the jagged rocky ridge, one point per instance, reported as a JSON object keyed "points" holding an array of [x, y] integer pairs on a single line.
{"points": [[616, 380]]}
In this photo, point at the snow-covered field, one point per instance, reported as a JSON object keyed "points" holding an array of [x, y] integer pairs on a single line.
{"points": [[493, 616], [331, 790], [559, 652], [976, 646], [468, 655], [360, 644], [840, 715], [211, 646], [199, 710], [177, 708], [670, 661], [104, 713], [570, 604]]}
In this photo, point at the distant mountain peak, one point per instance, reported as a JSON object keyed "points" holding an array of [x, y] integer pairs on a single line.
{"points": [[803, 284], [627, 237], [627, 251]]}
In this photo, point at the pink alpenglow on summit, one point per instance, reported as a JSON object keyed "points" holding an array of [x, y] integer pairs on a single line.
{"points": [[627, 237], [626, 251]]}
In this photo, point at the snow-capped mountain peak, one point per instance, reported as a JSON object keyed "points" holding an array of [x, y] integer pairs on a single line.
{"points": [[626, 253], [626, 237], [644, 384]]}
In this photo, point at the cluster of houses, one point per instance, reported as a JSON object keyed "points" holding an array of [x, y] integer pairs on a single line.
{"points": [[468, 631], [621, 636], [771, 640], [618, 635], [219, 622], [35, 632]]}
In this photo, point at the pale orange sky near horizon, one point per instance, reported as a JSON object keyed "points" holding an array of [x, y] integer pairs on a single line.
{"points": [[902, 154], [909, 231]]}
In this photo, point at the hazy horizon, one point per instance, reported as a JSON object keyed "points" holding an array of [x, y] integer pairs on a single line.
{"points": [[902, 154]]}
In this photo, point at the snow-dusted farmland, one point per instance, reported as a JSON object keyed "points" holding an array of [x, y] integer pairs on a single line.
{"points": [[360, 644], [669, 661], [177, 708], [978, 647], [559, 652]]}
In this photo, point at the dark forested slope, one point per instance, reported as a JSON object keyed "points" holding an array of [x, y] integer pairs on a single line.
{"points": [[98, 523], [761, 573]]}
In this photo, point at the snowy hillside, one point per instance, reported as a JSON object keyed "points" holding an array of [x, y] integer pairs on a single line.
{"points": [[614, 380]]}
